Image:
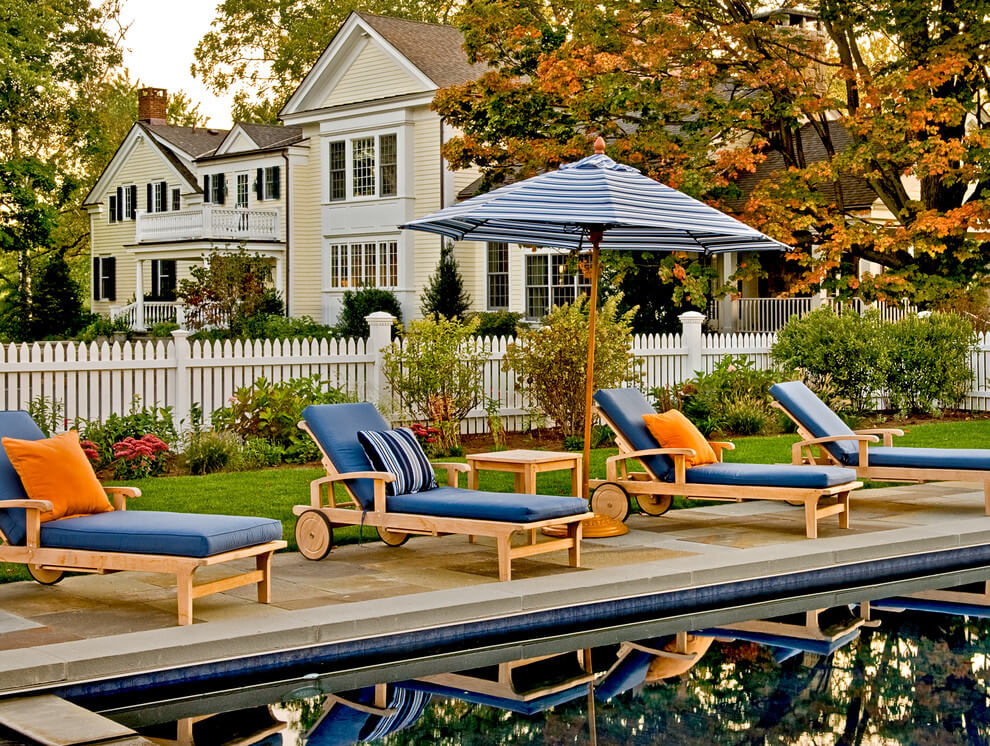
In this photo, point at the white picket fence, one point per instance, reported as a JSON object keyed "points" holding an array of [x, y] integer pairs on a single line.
{"points": [[92, 381]]}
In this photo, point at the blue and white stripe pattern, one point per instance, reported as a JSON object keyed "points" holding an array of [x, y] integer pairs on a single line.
{"points": [[400, 454], [408, 706], [558, 209]]}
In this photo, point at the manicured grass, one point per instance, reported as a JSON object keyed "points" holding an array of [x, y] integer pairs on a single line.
{"points": [[273, 492]]}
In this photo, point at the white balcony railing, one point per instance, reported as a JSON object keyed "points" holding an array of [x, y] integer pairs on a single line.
{"points": [[207, 222], [770, 314]]}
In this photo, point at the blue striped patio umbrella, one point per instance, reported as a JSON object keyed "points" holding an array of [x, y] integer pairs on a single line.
{"points": [[595, 204]]}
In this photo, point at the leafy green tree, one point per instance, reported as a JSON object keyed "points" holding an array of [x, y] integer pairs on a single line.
{"points": [[228, 289], [445, 295], [359, 303], [56, 301], [261, 49]]}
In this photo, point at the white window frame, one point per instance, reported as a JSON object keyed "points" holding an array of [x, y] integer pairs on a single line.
{"points": [[175, 199], [554, 259], [127, 193], [375, 170], [499, 246], [374, 261]]}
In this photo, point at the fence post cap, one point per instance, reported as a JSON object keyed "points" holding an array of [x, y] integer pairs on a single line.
{"points": [[379, 316], [691, 317], [180, 333]]}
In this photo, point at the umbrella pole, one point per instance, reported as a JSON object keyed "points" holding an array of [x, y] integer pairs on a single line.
{"points": [[589, 386]]}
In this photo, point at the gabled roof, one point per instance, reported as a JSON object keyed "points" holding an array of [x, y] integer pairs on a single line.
{"points": [[192, 141], [857, 194], [431, 53], [263, 137], [437, 50]]}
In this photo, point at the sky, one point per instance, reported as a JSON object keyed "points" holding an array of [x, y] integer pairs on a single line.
{"points": [[158, 49]]}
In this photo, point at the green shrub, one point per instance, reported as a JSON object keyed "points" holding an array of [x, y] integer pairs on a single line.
{"points": [[927, 362], [140, 421], [497, 323], [48, 413], [271, 411], [258, 453], [102, 326], [845, 350], [436, 372], [209, 451], [359, 303], [550, 363], [163, 329], [444, 294], [734, 398]]}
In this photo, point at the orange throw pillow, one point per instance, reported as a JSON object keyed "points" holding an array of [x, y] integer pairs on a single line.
{"points": [[673, 430], [56, 469]]}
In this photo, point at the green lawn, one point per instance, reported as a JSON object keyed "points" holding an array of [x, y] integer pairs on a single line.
{"points": [[273, 492]]}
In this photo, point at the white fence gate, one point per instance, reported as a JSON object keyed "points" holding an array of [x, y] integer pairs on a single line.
{"points": [[92, 381]]}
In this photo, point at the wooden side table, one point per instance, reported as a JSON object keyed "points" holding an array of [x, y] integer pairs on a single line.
{"points": [[525, 465]]}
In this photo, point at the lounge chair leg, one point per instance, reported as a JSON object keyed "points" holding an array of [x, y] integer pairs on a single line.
{"points": [[811, 517], [986, 496], [184, 591], [574, 534], [264, 563], [504, 545], [844, 515]]}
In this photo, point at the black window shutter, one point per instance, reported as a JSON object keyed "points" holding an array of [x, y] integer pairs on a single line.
{"points": [[168, 284], [110, 273], [133, 204], [162, 196], [120, 204], [259, 184], [206, 187], [151, 198], [276, 181], [222, 188], [154, 278], [96, 278]]}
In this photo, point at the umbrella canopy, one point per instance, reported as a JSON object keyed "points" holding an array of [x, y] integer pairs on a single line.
{"points": [[560, 208], [605, 204]]}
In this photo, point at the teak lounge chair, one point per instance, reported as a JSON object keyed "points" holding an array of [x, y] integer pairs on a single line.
{"points": [[665, 473], [435, 512], [823, 431], [172, 543]]}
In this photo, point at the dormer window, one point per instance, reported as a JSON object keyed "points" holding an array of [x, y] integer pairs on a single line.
{"points": [[363, 167]]}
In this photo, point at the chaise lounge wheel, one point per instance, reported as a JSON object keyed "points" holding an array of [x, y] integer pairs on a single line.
{"points": [[610, 500], [392, 538], [44, 575], [654, 504], [314, 535]]}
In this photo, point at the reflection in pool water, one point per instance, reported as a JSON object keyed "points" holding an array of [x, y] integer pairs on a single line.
{"points": [[901, 671]]}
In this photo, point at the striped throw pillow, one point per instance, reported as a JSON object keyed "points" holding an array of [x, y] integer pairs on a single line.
{"points": [[399, 453]]}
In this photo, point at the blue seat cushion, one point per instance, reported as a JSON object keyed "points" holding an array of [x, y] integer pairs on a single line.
{"points": [[14, 424], [770, 475], [628, 673], [977, 459], [625, 408], [816, 417], [336, 428], [454, 502], [152, 532]]}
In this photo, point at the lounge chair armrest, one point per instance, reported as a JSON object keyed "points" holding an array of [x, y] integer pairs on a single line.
{"points": [[888, 434], [721, 445], [33, 510], [379, 477], [863, 438], [384, 476], [453, 469], [40, 505], [119, 495], [678, 454]]}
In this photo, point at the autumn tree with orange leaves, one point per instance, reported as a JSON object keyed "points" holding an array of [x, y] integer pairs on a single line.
{"points": [[697, 93]]}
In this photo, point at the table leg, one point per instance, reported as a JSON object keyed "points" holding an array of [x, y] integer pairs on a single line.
{"points": [[577, 474], [520, 482], [530, 485], [472, 478]]}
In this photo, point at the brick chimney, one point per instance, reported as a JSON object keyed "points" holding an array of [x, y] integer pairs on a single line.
{"points": [[152, 104]]}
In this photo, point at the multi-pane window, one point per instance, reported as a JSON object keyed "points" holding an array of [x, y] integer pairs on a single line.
{"points": [[363, 166], [272, 179], [104, 278], [366, 264], [242, 190], [130, 195], [163, 279], [338, 171], [388, 157], [551, 280], [160, 189], [498, 276], [112, 208], [176, 199]]}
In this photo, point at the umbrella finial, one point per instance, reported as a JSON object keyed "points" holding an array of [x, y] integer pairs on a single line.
{"points": [[600, 145]]}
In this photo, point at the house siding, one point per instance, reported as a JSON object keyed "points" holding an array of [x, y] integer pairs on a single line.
{"points": [[306, 273], [373, 74]]}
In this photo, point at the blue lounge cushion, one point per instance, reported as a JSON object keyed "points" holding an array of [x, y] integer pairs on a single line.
{"points": [[928, 458], [336, 428], [770, 475], [625, 408], [399, 453], [14, 424], [153, 532], [899, 603], [817, 418], [454, 502], [341, 725], [787, 642], [628, 673], [521, 707]]}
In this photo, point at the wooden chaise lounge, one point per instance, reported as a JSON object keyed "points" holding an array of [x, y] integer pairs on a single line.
{"points": [[172, 543], [665, 473], [826, 439], [436, 512]]}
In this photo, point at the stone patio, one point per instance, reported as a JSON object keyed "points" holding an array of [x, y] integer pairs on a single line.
{"points": [[685, 548]]}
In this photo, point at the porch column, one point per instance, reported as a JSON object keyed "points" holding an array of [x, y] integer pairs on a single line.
{"points": [[139, 324], [280, 278], [727, 307]]}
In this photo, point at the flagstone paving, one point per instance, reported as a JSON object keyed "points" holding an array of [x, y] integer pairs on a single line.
{"points": [[84, 607]]}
